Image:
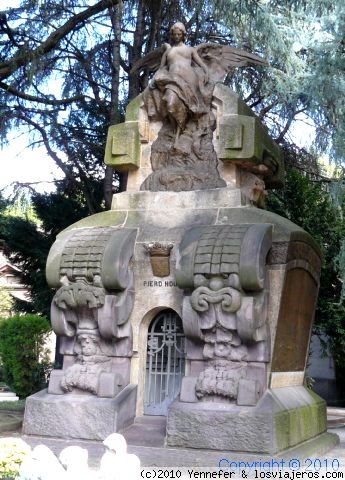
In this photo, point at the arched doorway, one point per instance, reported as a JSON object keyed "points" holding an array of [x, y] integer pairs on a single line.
{"points": [[165, 362]]}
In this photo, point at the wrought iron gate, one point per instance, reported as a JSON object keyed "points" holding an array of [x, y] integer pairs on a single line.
{"points": [[165, 362]]}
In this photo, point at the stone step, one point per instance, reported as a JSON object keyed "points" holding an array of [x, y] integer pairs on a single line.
{"points": [[8, 397], [151, 419], [147, 430]]}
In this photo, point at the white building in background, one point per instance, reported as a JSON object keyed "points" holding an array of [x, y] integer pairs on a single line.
{"points": [[10, 278]]}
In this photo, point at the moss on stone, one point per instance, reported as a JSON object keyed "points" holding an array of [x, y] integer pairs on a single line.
{"points": [[103, 219], [132, 110]]}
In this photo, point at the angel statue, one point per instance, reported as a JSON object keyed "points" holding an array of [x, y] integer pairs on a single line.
{"points": [[180, 95]]}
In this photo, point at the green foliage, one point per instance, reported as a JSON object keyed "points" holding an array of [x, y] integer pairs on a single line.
{"points": [[21, 206], [304, 45], [309, 205], [18, 406], [28, 243], [23, 352], [6, 302], [28, 247], [57, 211]]}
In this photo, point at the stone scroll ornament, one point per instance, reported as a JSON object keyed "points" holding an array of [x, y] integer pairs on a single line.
{"points": [[91, 308], [222, 271], [180, 95]]}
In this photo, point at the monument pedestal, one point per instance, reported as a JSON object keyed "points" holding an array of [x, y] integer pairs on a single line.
{"points": [[243, 280], [283, 418], [78, 416]]}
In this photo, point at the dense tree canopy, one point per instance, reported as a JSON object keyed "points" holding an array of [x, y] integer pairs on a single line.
{"points": [[65, 71], [29, 237], [307, 203]]}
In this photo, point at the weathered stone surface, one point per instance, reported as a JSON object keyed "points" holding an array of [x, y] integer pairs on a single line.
{"points": [[78, 416], [159, 257], [123, 146], [295, 320], [222, 270], [284, 417], [91, 309], [218, 427], [191, 200], [164, 217], [122, 150], [249, 392], [286, 379], [284, 229], [178, 128]]}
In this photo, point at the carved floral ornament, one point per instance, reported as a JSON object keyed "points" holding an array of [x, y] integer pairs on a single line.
{"points": [[159, 257]]}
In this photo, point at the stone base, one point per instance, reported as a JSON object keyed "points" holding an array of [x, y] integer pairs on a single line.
{"points": [[8, 397], [283, 418], [79, 416]]}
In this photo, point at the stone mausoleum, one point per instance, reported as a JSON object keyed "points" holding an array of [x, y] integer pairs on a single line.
{"points": [[187, 299]]}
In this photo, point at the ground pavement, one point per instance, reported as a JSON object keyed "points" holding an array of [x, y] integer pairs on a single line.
{"points": [[145, 438]]}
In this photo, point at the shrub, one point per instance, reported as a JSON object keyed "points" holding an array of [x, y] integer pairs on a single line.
{"points": [[23, 353]]}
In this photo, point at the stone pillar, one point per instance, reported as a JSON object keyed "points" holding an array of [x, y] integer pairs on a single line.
{"points": [[90, 311]]}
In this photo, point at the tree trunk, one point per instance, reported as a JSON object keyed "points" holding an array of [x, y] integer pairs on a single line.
{"points": [[114, 115], [135, 51]]}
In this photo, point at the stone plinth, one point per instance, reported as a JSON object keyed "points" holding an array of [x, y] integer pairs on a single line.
{"points": [[78, 416], [283, 418], [8, 397]]}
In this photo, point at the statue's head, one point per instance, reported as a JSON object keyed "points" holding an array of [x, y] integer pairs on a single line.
{"points": [[89, 343], [178, 27]]}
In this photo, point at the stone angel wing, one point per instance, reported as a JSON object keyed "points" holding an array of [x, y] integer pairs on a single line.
{"points": [[151, 61], [221, 59]]}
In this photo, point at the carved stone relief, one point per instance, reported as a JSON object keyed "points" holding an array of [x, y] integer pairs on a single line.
{"points": [[91, 309], [91, 361], [159, 257], [180, 95], [222, 270]]}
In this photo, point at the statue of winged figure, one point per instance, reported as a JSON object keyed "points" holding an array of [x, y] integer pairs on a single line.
{"points": [[180, 95]]}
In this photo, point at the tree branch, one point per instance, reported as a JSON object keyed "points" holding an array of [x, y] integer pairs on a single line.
{"points": [[266, 109], [288, 124], [45, 139], [33, 98], [23, 57]]}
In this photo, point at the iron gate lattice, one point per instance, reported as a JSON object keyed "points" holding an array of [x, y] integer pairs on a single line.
{"points": [[165, 362]]}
